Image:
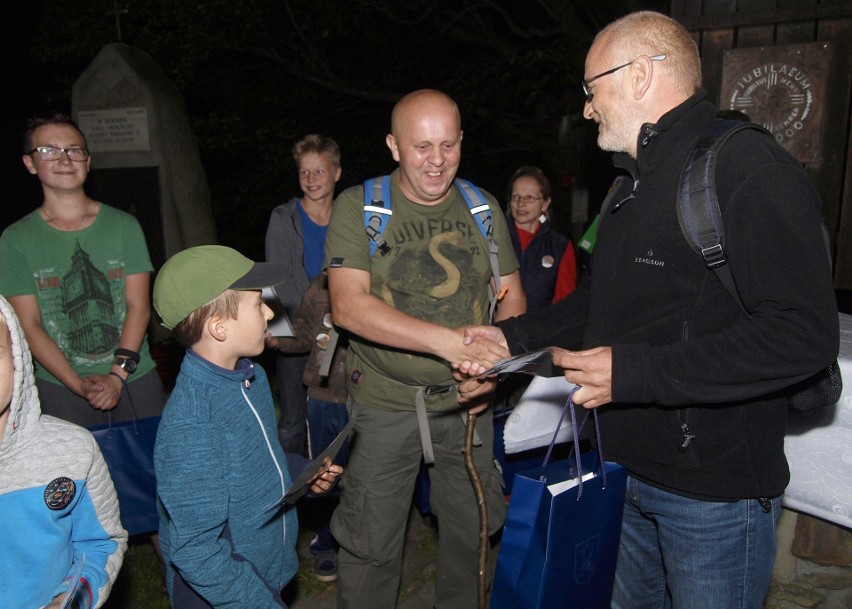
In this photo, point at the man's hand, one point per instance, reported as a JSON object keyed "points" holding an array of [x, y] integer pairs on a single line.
{"points": [[474, 353], [490, 340], [475, 393], [591, 370]]}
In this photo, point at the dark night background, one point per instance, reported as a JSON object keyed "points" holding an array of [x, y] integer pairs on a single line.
{"points": [[257, 76]]}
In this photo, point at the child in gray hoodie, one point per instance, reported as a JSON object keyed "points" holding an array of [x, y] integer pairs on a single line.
{"points": [[62, 532]]}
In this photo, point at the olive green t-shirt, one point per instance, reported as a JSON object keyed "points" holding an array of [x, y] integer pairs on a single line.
{"points": [[438, 270]]}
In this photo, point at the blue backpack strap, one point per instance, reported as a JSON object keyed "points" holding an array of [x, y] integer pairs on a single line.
{"points": [[377, 212], [479, 208]]}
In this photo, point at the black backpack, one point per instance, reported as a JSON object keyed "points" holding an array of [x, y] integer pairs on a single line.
{"points": [[701, 223]]}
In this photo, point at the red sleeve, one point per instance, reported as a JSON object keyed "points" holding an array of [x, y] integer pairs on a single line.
{"points": [[566, 278]]}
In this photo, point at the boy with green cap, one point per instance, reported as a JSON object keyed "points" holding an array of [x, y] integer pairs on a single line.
{"points": [[221, 471]]}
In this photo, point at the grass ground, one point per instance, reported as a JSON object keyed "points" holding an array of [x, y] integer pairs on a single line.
{"points": [[140, 583]]}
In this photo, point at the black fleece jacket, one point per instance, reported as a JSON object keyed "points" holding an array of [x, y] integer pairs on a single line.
{"points": [[686, 360]]}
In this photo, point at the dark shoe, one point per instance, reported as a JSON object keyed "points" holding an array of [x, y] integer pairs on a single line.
{"points": [[325, 566]]}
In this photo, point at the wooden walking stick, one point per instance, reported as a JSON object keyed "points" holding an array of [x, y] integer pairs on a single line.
{"points": [[479, 492], [470, 464]]}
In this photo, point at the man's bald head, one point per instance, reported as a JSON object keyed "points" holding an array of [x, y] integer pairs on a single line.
{"points": [[650, 33], [425, 140], [416, 103]]}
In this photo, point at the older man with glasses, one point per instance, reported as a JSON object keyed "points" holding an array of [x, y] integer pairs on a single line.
{"points": [[691, 390]]}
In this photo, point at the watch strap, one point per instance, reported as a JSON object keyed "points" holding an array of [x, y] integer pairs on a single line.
{"points": [[134, 355]]}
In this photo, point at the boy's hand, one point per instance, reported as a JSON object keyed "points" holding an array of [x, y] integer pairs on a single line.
{"points": [[325, 478], [87, 388], [104, 391]]}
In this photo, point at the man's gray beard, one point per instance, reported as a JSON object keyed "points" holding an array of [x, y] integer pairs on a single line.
{"points": [[615, 141], [610, 144]]}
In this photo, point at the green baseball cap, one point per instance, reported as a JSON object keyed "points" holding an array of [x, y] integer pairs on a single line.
{"points": [[192, 278]]}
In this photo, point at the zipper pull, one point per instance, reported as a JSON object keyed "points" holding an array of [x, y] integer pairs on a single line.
{"points": [[688, 436]]}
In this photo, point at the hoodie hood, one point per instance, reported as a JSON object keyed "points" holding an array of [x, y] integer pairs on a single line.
{"points": [[24, 410]]}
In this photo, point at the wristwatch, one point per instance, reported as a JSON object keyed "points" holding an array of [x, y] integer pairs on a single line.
{"points": [[126, 360], [125, 363]]}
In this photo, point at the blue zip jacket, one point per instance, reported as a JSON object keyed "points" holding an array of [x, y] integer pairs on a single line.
{"points": [[221, 473]]}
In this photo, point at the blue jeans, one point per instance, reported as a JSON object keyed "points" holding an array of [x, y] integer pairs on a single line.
{"points": [[679, 553], [292, 396], [325, 421]]}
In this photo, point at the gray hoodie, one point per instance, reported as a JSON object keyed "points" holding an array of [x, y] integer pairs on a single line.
{"points": [[59, 507]]}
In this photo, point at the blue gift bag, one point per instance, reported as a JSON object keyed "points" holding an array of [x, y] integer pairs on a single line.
{"points": [[560, 540], [128, 449]]}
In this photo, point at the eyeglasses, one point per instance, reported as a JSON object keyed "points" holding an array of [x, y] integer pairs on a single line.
{"points": [[51, 153], [524, 198], [590, 94]]}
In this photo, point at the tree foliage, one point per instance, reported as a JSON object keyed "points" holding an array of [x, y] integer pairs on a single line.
{"points": [[259, 74]]}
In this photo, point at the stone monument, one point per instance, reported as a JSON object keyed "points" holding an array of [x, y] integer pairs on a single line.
{"points": [[144, 155]]}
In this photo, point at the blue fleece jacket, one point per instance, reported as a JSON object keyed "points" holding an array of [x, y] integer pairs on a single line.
{"points": [[221, 473]]}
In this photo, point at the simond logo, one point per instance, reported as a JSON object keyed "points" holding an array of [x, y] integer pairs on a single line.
{"points": [[649, 260]]}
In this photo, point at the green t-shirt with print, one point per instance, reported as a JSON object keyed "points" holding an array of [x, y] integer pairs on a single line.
{"points": [[77, 278], [438, 270]]}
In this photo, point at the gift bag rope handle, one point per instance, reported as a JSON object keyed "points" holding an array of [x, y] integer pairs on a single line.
{"points": [[569, 406], [126, 391]]}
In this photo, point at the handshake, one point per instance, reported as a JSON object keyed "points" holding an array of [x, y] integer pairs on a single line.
{"points": [[484, 354]]}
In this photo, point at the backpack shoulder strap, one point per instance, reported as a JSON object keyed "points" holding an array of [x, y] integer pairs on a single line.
{"points": [[377, 212], [698, 206], [479, 208]]}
